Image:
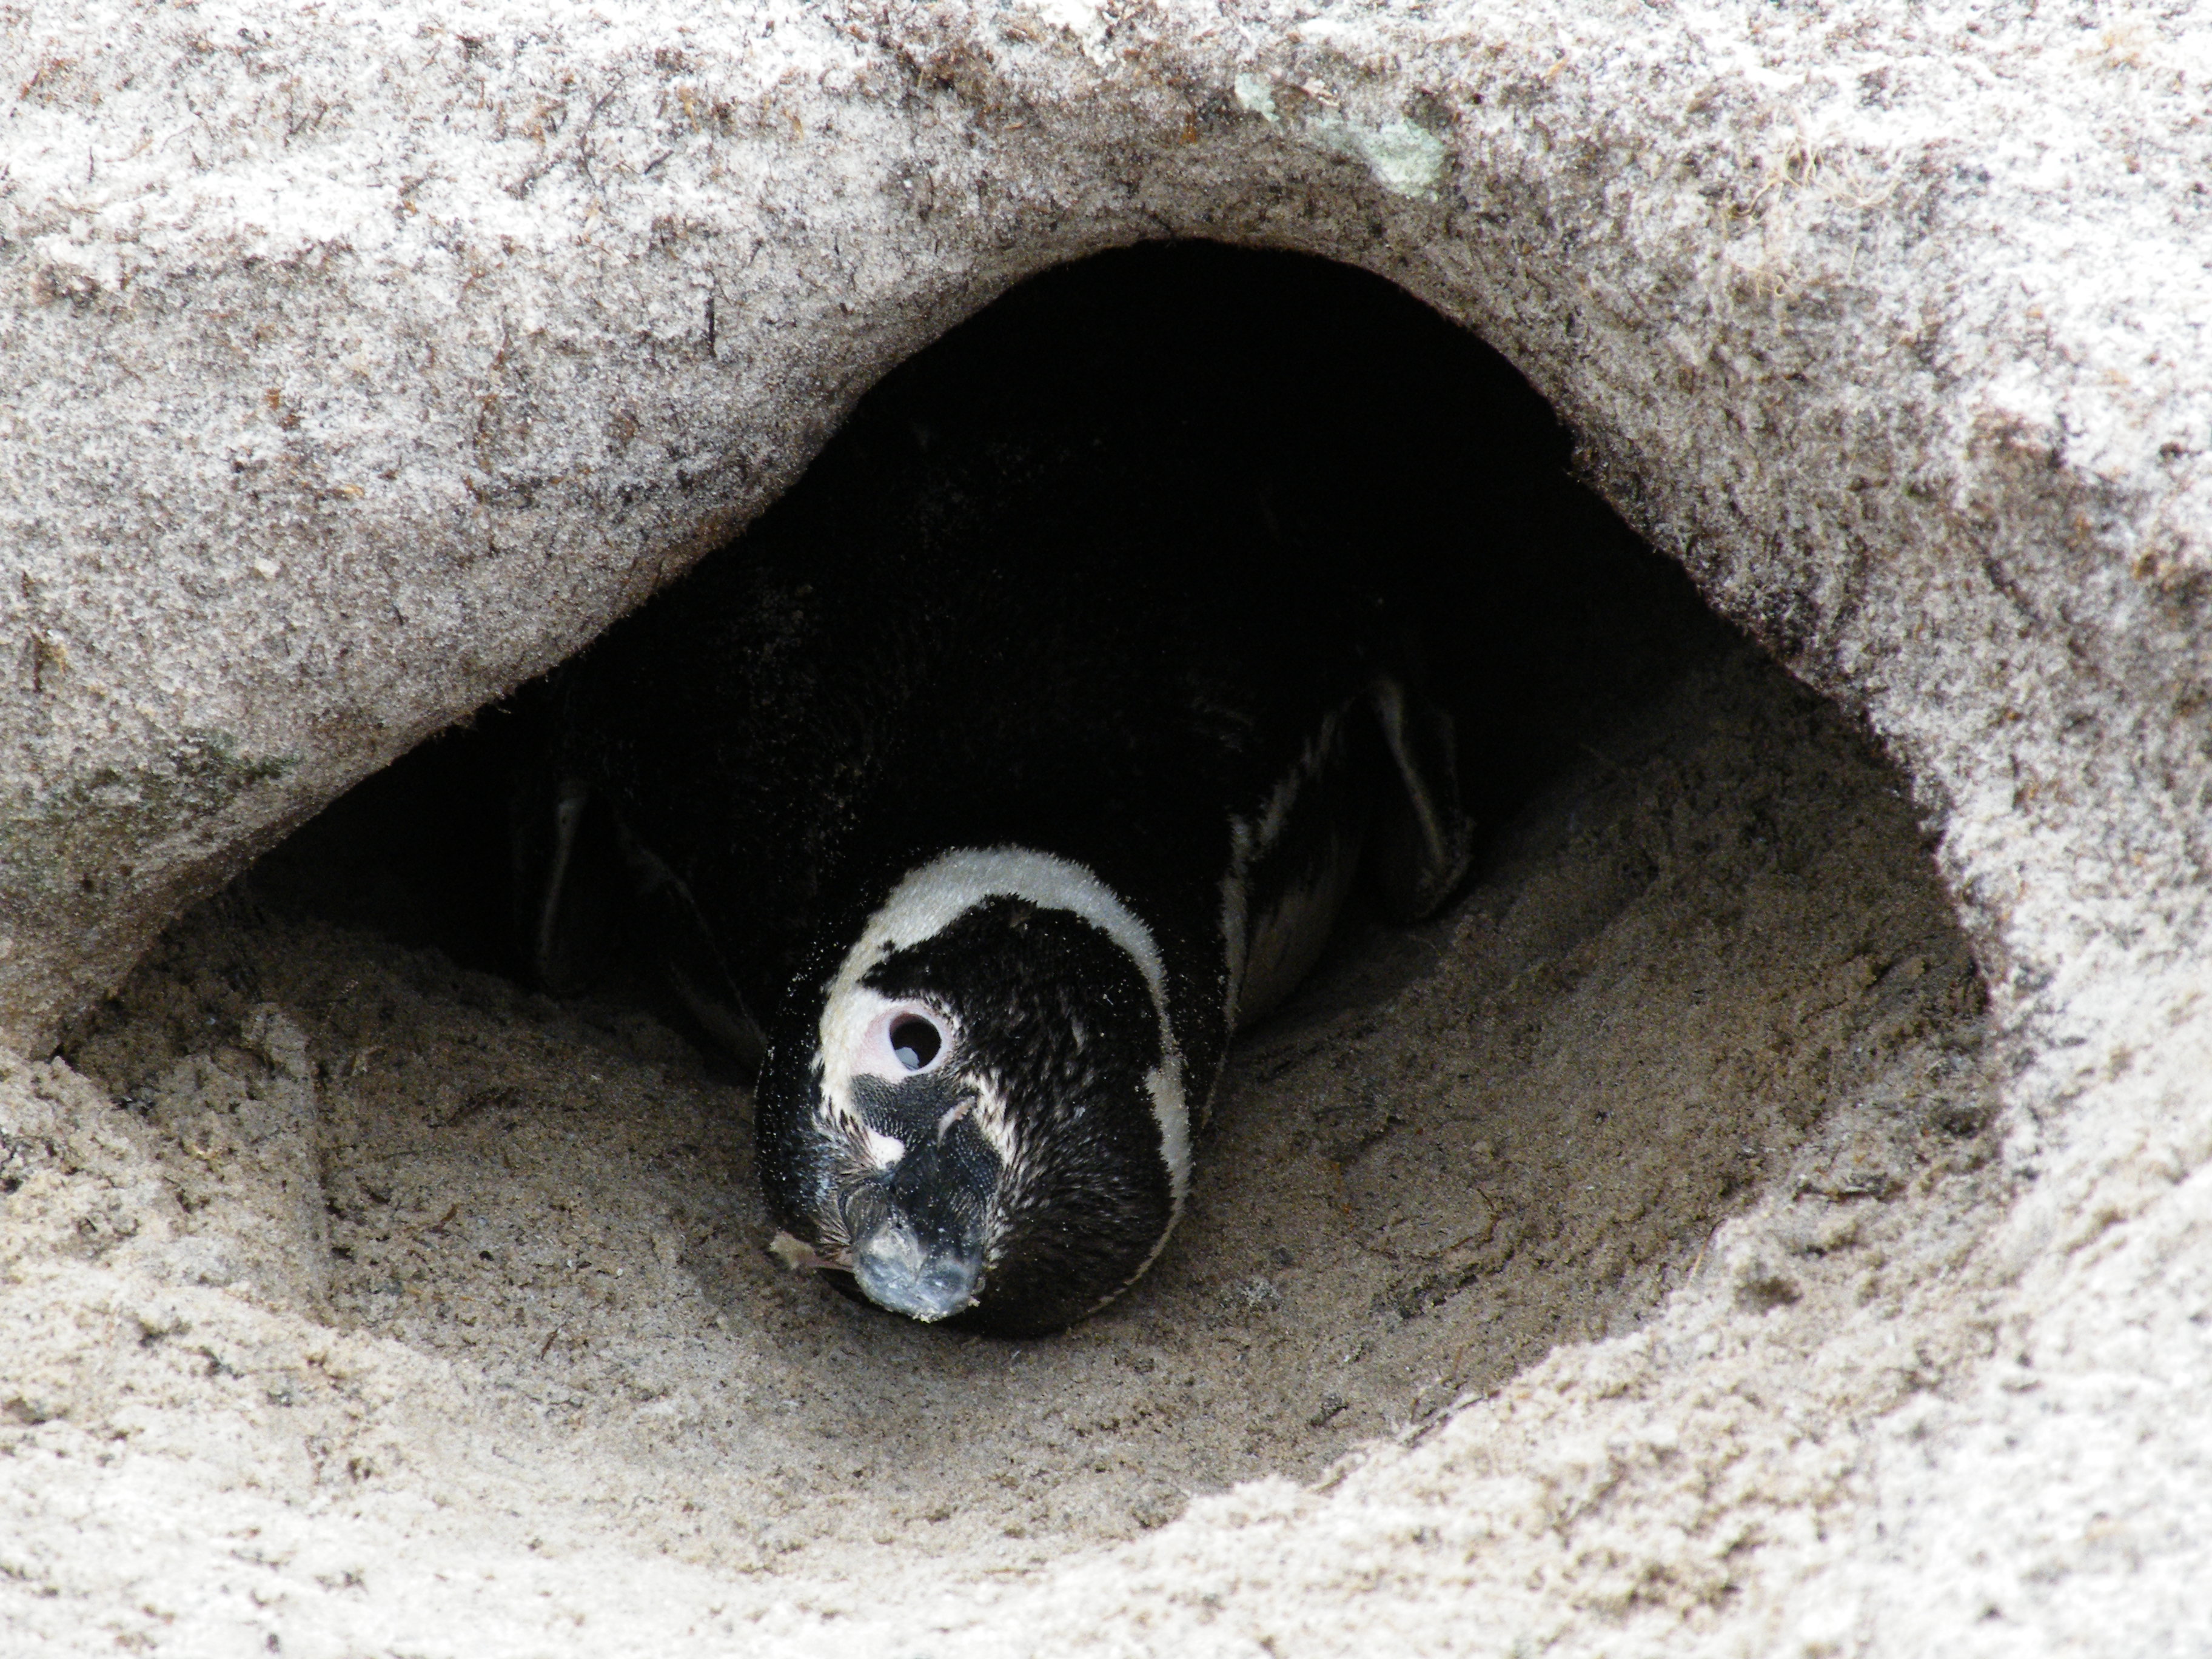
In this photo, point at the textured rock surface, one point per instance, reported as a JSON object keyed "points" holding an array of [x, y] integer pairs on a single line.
{"points": [[363, 361]]}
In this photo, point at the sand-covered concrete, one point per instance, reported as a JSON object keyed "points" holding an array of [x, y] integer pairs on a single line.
{"points": [[363, 361]]}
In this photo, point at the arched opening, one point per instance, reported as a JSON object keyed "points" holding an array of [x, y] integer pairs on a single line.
{"points": [[1703, 952]]}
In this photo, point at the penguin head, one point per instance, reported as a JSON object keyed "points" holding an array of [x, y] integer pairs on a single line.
{"points": [[979, 1112]]}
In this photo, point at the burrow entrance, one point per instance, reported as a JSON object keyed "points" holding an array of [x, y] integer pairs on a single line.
{"points": [[1703, 951]]}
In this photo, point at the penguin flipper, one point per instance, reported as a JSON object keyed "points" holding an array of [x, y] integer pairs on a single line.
{"points": [[688, 956], [562, 896], [579, 875], [1421, 840]]}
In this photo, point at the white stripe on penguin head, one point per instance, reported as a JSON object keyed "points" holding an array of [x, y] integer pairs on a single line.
{"points": [[933, 897]]}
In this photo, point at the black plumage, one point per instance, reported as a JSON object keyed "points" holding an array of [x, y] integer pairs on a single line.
{"points": [[1095, 674]]}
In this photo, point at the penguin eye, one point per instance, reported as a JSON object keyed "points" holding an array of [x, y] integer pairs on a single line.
{"points": [[914, 1041]]}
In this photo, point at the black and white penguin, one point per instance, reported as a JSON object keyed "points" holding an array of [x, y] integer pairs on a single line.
{"points": [[986, 795]]}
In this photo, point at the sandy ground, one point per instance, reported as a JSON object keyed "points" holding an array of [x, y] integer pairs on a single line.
{"points": [[325, 1217]]}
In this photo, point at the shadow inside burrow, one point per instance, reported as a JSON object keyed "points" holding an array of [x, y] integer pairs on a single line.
{"points": [[1701, 916]]}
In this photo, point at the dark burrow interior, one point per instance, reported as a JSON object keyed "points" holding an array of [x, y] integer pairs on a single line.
{"points": [[1702, 919]]}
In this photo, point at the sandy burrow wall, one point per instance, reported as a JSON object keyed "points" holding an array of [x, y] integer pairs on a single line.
{"points": [[361, 360]]}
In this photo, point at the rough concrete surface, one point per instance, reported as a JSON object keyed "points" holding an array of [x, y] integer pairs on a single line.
{"points": [[363, 361]]}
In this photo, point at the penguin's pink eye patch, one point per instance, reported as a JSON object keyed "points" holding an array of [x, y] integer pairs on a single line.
{"points": [[892, 1040], [915, 1039]]}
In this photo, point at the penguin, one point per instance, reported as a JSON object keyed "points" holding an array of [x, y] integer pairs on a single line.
{"points": [[980, 792]]}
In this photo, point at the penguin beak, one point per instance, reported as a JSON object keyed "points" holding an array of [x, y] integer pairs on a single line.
{"points": [[896, 1270]]}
